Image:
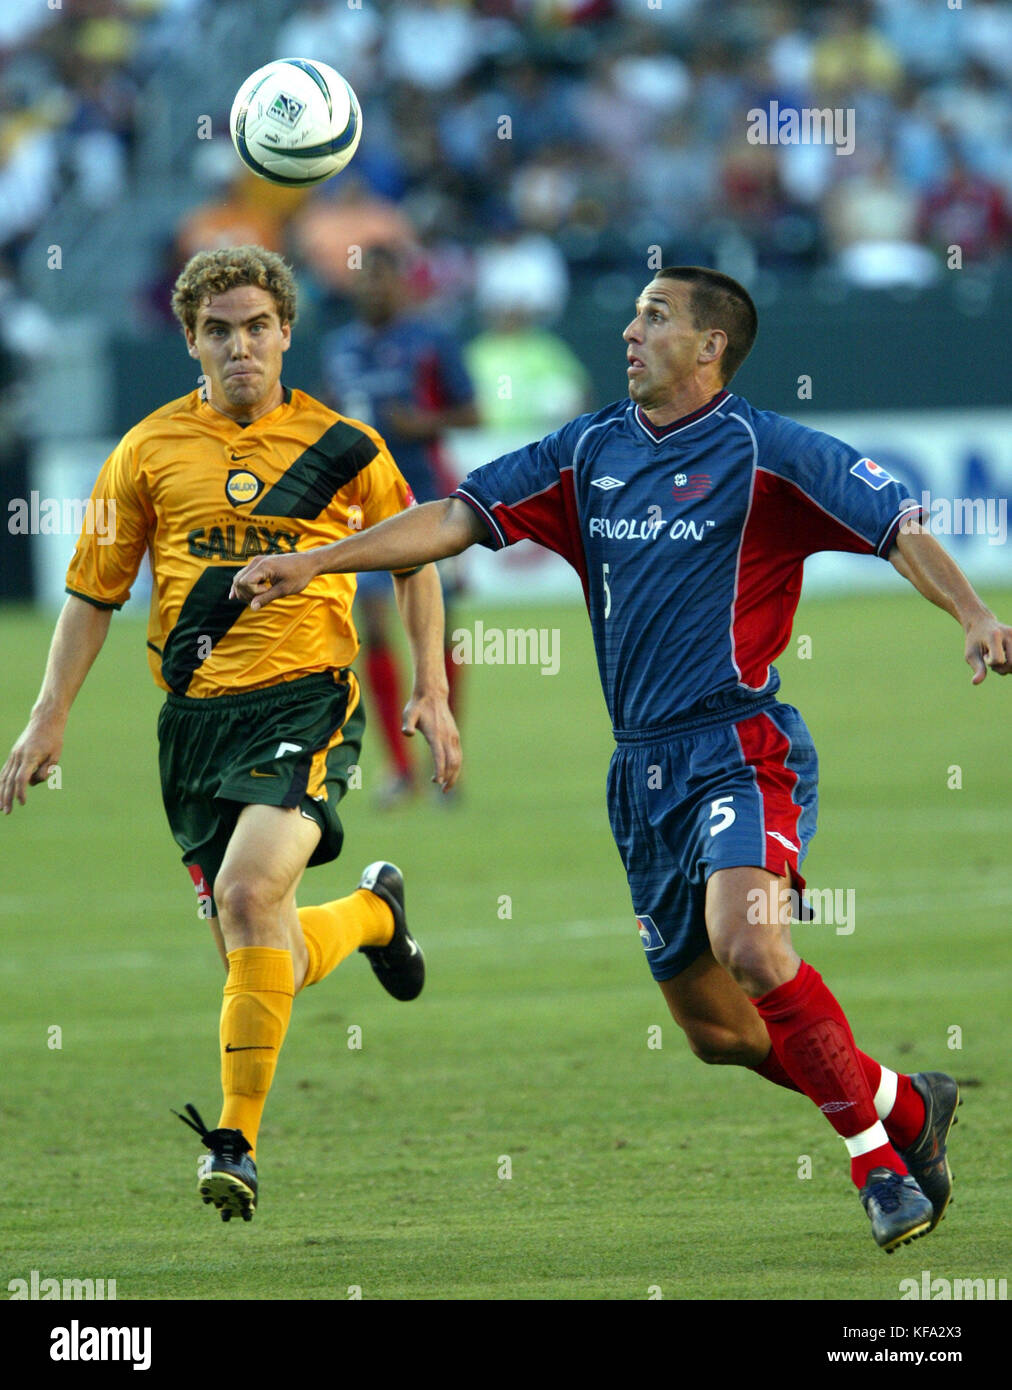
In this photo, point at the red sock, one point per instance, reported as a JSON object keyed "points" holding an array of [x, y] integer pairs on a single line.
{"points": [[816, 1049], [903, 1121], [381, 673], [773, 1070]]}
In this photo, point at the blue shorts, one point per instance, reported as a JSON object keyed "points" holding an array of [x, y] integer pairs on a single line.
{"points": [[375, 583], [711, 796]]}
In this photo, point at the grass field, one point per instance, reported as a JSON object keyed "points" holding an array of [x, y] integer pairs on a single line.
{"points": [[632, 1167]]}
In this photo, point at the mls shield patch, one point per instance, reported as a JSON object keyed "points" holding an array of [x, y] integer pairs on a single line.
{"points": [[649, 934], [872, 473]]}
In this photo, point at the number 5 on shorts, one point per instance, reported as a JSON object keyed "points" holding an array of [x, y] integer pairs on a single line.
{"points": [[721, 808]]}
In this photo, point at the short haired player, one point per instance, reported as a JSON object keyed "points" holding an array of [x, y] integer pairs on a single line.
{"points": [[688, 515], [262, 721]]}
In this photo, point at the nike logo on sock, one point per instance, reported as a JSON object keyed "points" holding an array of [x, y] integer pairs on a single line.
{"points": [[254, 1047]]}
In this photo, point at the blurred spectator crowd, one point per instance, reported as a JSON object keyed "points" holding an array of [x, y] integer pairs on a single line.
{"points": [[508, 141]]}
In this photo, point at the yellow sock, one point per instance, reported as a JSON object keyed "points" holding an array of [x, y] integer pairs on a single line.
{"points": [[254, 1019], [336, 929]]}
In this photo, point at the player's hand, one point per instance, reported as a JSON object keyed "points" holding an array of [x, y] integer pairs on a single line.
{"points": [[431, 714], [988, 647], [272, 576], [36, 751]]}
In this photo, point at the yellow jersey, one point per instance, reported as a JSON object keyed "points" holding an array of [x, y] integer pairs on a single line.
{"points": [[203, 494]]}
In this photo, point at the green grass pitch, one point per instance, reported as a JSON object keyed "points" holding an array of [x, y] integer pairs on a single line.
{"points": [[512, 1135]]}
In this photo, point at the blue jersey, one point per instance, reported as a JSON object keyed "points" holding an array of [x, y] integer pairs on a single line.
{"points": [[690, 541], [409, 363]]}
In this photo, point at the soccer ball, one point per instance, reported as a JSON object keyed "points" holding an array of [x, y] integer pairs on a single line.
{"points": [[295, 122]]}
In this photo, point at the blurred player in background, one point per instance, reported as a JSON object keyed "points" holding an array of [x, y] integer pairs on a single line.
{"points": [[547, 382], [688, 515], [407, 379], [262, 721]]}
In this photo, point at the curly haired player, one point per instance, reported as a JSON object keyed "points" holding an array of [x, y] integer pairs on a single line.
{"points": [[262, 719]]}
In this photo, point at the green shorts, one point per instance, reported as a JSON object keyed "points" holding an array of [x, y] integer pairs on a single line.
{"points": [[291, 745]]}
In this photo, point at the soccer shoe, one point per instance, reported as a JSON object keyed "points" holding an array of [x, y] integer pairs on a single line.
{"points": [[399, 966], [227, 1176], [926, 1158], [898, 1209]]}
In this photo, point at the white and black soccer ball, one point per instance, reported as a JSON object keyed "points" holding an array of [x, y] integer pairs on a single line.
{"points": [[295, 122]]}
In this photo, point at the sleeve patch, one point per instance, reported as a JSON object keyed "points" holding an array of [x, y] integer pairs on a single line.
{"points": [[873, 474]]}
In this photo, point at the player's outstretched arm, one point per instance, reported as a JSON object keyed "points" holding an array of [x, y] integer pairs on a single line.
{"points": [[77, 640], [430, 532], [420, 603], [934, 573]]}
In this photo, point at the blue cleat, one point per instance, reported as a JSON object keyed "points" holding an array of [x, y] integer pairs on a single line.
{"points": [[898, 1209], [926, 1158]]}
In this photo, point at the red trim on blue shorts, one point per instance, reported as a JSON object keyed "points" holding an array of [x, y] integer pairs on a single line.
{"points": [[766, 749]]}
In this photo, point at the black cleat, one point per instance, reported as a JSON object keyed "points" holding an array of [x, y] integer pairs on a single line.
{"points": [[898, 1209], [227, 1176], [399, 966], [926, 1158]]}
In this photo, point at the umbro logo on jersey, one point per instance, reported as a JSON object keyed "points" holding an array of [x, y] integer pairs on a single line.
{"points": [[242, 486], [606, 483]]}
